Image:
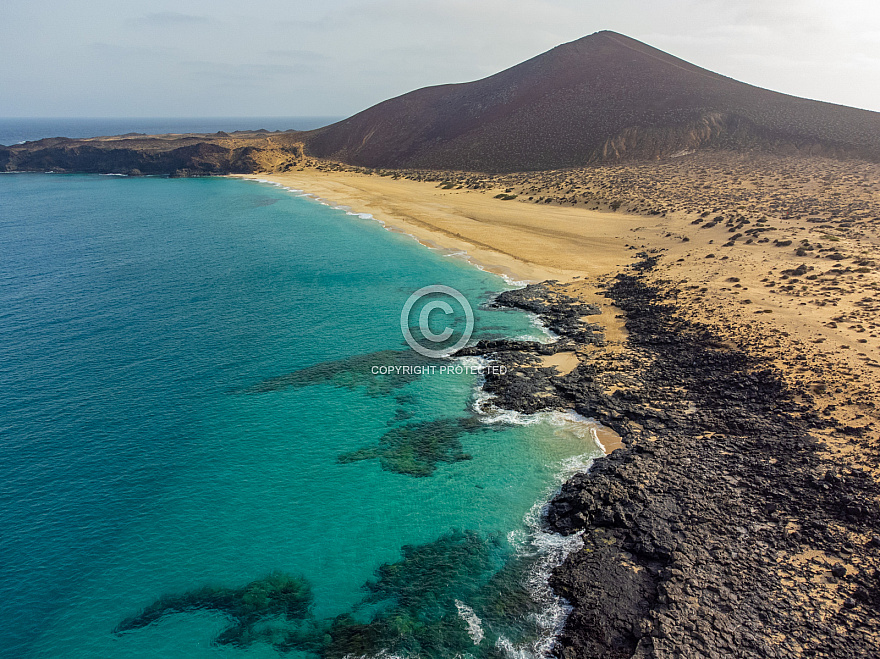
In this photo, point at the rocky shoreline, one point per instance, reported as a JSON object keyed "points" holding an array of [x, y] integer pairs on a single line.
{"points": [[718, 530]]}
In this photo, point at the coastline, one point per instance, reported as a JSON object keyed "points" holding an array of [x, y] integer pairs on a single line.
{"points": [[548, 546], [506, 238], [395, 207], [803, 301], [772, 426], [720, 528]]}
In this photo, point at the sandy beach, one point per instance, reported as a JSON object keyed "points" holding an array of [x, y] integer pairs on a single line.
{"points": [[805, 312], [510, 238], [516, 240]]}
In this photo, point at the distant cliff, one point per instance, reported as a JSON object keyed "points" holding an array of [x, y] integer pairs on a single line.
{"points": [[181, 155]]}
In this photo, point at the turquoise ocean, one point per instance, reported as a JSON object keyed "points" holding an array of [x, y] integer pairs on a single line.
{"points": [[198, 460]]}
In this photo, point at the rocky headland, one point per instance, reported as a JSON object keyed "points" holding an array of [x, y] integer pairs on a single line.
{"points": [[240, 152], [720, 528]]}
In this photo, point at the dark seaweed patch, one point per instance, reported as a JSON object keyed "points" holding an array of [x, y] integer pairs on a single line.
{"points": [[417, 448], [277, 596], [410, 608], [351, 372], [417, 597]]}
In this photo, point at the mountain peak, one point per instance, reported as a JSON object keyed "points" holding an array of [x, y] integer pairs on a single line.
{"points": [[603, 97]]}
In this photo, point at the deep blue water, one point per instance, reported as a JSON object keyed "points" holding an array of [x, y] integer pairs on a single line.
{"points": [[187, 399], [24, 129]]}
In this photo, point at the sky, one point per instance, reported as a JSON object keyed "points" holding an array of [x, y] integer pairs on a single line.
{"points": [[219, 58]]}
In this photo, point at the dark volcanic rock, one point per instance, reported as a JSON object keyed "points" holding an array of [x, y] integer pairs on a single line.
{"points": [[692, 532], [525, 384], [560, 313]]}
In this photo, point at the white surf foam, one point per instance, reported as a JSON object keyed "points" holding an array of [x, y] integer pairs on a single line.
{"points": [[510, 281], [579, 425], [516, 283], [363, 216], [547, 549], [473, 622], [595, 436], [546, 331]]}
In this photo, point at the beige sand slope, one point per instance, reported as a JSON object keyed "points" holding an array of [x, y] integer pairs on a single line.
{"points": [[820, 329], [506, 237]]}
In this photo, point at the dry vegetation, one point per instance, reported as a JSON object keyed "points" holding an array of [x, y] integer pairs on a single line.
{"points": [[782, 254]]}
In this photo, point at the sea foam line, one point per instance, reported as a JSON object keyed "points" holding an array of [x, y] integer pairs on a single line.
{"points": [[472, 620], [550, 335], [510, 281], [363, 216], [550, 549], [547, 548], [459, 254]]}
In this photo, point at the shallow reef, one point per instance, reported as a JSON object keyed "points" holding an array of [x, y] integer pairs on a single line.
{"points": [[455, 596], [277, 595], [351, 372], [415, 449]]}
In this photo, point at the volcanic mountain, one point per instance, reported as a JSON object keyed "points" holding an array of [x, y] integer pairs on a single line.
{"points": [[604, 97]]}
